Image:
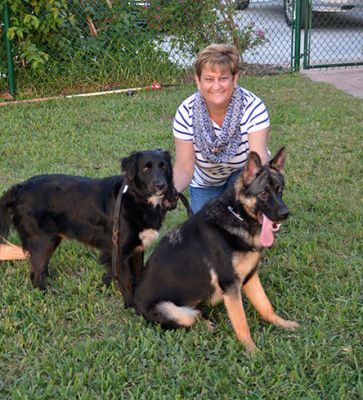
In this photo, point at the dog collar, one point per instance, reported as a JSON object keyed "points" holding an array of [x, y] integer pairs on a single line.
{"points": [[230, 209]]}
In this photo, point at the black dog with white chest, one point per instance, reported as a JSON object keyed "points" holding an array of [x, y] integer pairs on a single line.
{"points": [[216, 251], [49, 208]]}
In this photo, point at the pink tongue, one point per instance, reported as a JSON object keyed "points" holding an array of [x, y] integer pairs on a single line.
{"points": [[267, 237]]}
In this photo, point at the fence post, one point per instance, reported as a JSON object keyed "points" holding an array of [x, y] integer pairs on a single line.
{"points": [[9, 50], [296, 33]]}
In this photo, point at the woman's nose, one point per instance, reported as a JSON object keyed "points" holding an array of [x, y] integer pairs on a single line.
{"points": [[216, 84]]}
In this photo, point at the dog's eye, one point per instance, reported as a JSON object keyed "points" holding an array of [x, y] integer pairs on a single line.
{"points": [[263, 194], [146, 169], [163, 166]]}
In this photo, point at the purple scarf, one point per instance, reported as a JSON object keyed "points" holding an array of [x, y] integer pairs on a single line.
{"points": [[218, 149]]}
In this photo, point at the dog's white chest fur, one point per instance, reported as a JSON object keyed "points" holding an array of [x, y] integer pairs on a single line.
{"points": [[155, 200], [148, 236]]}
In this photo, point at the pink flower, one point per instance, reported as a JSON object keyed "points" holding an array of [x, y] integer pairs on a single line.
{"points": [[260, 34]]}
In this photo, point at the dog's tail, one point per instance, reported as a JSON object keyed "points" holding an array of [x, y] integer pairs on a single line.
{"points": [[6, 210], [171, 316]]}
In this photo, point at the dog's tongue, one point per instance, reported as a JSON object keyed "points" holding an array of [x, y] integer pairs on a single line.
{"points": [[267, 237]]}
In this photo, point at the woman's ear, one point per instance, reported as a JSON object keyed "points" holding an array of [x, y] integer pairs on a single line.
{"points": [[235, 79], [197, 81]]}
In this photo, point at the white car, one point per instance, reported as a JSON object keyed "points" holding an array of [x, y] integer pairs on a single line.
{"points": [[326, 6]]}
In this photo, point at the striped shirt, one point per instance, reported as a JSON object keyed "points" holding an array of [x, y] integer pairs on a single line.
{"points": [[254, 118]]}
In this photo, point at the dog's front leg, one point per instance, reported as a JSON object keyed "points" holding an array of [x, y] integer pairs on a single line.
{"points": [[137, 265], [125, 280], [254, 291], [233, 303]]}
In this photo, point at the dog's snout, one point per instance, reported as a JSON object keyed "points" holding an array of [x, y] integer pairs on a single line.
{"points": [[283, 213], [160, 186]]}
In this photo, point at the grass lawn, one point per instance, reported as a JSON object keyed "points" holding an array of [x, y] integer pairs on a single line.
{"points": [[78, 342]]}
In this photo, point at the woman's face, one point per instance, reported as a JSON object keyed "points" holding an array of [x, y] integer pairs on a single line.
{"points": [[216, 86]]}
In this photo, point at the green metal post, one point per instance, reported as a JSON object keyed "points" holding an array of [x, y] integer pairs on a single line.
{"points": [[307, 35], [9, 51], [297, 37]]}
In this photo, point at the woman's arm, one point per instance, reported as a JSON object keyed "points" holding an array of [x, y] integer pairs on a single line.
{"points": [[184, 163], [257, 141]]}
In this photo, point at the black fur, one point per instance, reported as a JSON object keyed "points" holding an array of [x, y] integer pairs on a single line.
{"points": [[48, 208], [180, 270]]}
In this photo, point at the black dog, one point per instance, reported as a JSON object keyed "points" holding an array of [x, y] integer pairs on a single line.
{"points": [[217, 250], [48, 208]]}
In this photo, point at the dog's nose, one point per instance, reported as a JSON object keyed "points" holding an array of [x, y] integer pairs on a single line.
{"points": [[160, 186], [283, 213]]}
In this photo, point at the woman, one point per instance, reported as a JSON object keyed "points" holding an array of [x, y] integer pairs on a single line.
{"points": [[216, 127]]}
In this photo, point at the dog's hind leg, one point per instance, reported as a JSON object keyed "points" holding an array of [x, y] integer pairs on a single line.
{"points": [[233, 303], [40, 253], [254, 291]]}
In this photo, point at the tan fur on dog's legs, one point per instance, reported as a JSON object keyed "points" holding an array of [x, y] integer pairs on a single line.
{"points": [[254, 291], [233, 303]]}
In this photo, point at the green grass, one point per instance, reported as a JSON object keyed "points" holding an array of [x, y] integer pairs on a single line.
{"points": [[78, 342]]}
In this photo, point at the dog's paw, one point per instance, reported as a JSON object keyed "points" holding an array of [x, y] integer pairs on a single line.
{"points": [[292, 325], [211, 326], [129, 303], [251, 348], [107, 279], [284, 323], [248, 343]]}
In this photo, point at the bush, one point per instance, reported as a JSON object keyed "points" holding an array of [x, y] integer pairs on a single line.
{"points": [[192, 25]]}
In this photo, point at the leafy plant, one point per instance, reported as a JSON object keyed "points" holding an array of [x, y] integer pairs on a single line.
{"points": [[195, 24], [33, 26]]}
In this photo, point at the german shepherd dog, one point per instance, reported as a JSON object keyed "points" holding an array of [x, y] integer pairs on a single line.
{"points": [[49, 208], [216, 251]]}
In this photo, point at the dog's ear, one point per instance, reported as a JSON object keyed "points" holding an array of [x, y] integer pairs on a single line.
{"points": [[279, 160], [167, 157], [128, 165], [166, 154], [252, 166]]}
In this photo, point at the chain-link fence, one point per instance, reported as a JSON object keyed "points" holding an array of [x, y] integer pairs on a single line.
{"points": [[334, 33], [62, 47]]}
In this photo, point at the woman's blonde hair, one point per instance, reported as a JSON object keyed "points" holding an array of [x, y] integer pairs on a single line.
{"points": [[222, 55]]}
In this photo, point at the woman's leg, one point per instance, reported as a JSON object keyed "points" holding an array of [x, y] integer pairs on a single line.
{"points": [[232, 179], [200, 196]]}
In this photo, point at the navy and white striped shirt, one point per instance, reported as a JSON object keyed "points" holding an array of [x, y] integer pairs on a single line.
{"points": [[254, 118]]}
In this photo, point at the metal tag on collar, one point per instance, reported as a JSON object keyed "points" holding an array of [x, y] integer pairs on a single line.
{"points": [[125, 189], [235, 214]]}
